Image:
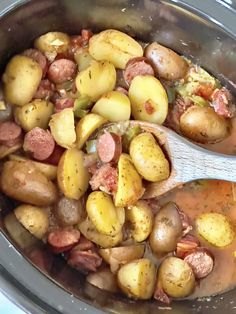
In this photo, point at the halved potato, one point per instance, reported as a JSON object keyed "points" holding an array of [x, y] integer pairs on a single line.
{"points": [[49, 171], [137, 278], [130, 187], [103, 279], [121, 255], [53, 42], [149, 101], [90, 232], [97, 79], [86, 126], [63, 129], [101, 210], [141, 217], [34, 219], [72, 176]]}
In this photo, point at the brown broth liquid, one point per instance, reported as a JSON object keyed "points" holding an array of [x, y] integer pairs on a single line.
{"points": [[212, 196]]}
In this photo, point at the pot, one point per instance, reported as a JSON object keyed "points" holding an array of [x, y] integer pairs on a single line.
{"points": [[205, 31]]}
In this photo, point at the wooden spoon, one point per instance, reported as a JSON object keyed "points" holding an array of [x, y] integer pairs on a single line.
{"points": [[188, 161]]}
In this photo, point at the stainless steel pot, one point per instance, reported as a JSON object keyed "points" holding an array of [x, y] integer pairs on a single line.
{"points": [[203, 30]]}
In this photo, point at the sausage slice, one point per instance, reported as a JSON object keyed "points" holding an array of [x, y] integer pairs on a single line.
{"points": [[10, 133], [137, 66], [61, 240], [39, 143], [109, 147], [62, 70]]}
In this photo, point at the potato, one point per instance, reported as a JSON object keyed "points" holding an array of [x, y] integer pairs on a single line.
{"points": [[121, 255], [137, 279], [34, 114], [72, 176], [5, 150], [63, 129], [24, 182], [141, 218], [34, 219], [167, 230], [176, 277], [69, 212], [49, 171], [204, 125], [114, 46], [86, 126], [104, 215], [167, 63], [21, 80], [53, 43], [148, 158], [97, 79], [114, 106], [103, 279], [83, 59], [149, 101], [215, 228], [18, 233], [90, 232], [130, 187]]}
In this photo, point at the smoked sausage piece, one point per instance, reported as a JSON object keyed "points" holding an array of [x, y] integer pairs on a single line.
{"points": [[137, 66], [10, 133], [61, 240], [45, 90], [109, 147], [61, 70]]}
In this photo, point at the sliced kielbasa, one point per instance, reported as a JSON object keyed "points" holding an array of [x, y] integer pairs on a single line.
{"points": [[45, 90], [55, 157], [187, 245], [201, 262], [109, 147], [37, 56], [137, 66], [105, 178], [39, 143], [84, 261], [62, 70], [61, 240], [10, 134], [63, 103], [222, 102]]}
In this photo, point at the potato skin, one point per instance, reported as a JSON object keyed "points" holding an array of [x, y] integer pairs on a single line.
{"points": [[137, 279], [53, 42], [176, 277], [130, 187], [103, 279], [114, 46], [34, 219], [148, 158], [215, 228], [21, 80], [141, 217], [114, 106], [148, 99], [166, 231], [204, 125], [68, 212], [90, 232], [167, 63], [34, 114], [103, 213], [98, 79], [24, 182], [72, 176]]}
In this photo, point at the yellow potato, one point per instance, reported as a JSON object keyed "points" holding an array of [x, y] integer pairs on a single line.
{"points": [[141, 217], [103, 213], [53, 42], [149, 101], [114, 106], [137, 279], [148, 158], [34, 114], [21, 80], [34, 219], [121, 255], [83, 59], [215, 228], [49, 171], [114, 46], [72, 176], [90, 232], [97, 79], [86, 126], [63, 128], [130, 187]]}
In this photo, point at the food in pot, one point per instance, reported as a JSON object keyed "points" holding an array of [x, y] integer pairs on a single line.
{"points": [[78, 176]]}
